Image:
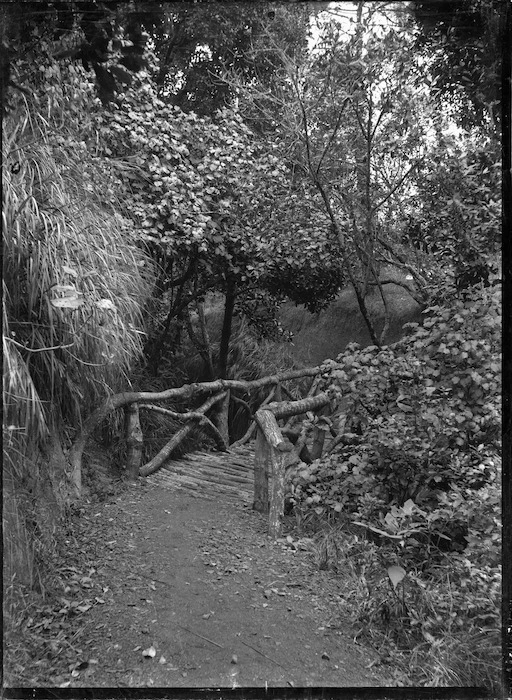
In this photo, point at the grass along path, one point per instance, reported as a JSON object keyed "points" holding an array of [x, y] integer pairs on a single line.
{"points": [[161, 588]]}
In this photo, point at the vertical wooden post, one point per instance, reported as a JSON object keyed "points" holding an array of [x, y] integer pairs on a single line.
{"points": [[269, 462], [275, 516], [134, 440], [261, 460], [318, 443]]}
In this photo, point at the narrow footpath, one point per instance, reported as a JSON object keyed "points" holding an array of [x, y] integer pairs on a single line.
{"points": [[187, 592]]}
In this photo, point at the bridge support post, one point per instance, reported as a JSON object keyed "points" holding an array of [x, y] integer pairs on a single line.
{"points": [[269, 462], [261, 462], [134, 440]]}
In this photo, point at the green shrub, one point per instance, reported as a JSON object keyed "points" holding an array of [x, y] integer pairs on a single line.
{"points": [[421, 483]]}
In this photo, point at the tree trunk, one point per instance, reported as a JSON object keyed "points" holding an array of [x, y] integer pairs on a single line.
{"points": [[229, 308], [208, 358], [221, 418]]}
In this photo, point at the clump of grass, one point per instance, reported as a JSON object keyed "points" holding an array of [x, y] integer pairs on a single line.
{"points": [[252, 356], [74, 289], [61, 243], [466, 659]]}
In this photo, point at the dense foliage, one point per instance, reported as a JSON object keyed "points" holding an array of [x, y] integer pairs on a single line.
{"points": [[429, 407], [453, 220], [465, 40], [214, 207], [420, 475], [197, 43]]}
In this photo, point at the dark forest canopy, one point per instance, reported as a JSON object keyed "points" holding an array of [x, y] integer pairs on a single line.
{"points": [[196, 43]]}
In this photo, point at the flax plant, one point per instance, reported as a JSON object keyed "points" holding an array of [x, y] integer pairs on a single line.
{"points": [[75, 286], [75, 282]]}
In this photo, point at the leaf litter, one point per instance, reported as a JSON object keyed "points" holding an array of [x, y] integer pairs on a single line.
{"points": [[70, 645]]}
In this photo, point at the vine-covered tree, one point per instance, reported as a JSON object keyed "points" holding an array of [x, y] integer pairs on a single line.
{"points": [[214, 209]]}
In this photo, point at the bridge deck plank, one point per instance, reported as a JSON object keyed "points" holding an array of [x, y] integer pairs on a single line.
{"points": [[211, 475]]}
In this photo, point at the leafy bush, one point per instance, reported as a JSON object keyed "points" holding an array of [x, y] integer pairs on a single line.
{"points": [[421, 482]]}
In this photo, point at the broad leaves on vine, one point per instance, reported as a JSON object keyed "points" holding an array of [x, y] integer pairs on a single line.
{"points": [[428, 410], [203, 187]]}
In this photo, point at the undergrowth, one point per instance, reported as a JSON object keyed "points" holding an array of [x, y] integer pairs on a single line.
{"points": [[407, 506], [74, 287]]}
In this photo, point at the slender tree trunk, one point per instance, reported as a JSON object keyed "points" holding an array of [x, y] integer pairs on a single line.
{"points": [[208, 357], [134, 440], [201, 344], [227, 324], [339, 236], [221, 417]]}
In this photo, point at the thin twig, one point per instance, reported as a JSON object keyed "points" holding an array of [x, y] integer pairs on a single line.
{"points": [[264, 655], [141, 575], [200, 636]]}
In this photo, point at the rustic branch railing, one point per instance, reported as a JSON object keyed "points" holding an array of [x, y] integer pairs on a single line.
{"points": [[198, 415], [274, 449], [270, 454], [186, 392]]}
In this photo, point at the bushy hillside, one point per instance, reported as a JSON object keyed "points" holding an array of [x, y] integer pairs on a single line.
{"points": [[317, 336], [413, 490]]}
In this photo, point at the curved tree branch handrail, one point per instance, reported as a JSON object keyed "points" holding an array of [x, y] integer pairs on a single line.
{"points": [[187, 391], [154, 464], [191, 416]]}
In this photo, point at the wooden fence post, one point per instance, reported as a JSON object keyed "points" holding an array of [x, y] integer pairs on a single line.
{"points": [[276, 512], [134, 440], [269, 461], [261, 462]]}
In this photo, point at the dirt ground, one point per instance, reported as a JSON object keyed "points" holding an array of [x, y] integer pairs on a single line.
{"points": [[166, 589]]}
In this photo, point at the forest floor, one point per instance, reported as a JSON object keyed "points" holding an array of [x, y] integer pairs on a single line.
{"points": [[160, 588]]}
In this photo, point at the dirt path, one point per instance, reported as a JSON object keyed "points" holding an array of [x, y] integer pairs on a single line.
{"points": [[198, 584]]}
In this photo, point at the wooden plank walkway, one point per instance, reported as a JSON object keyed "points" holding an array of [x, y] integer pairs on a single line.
{"points": [[211, 475]]}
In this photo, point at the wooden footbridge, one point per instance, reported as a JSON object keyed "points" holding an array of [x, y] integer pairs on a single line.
{"points": [[247, 471], [228, 475]]}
